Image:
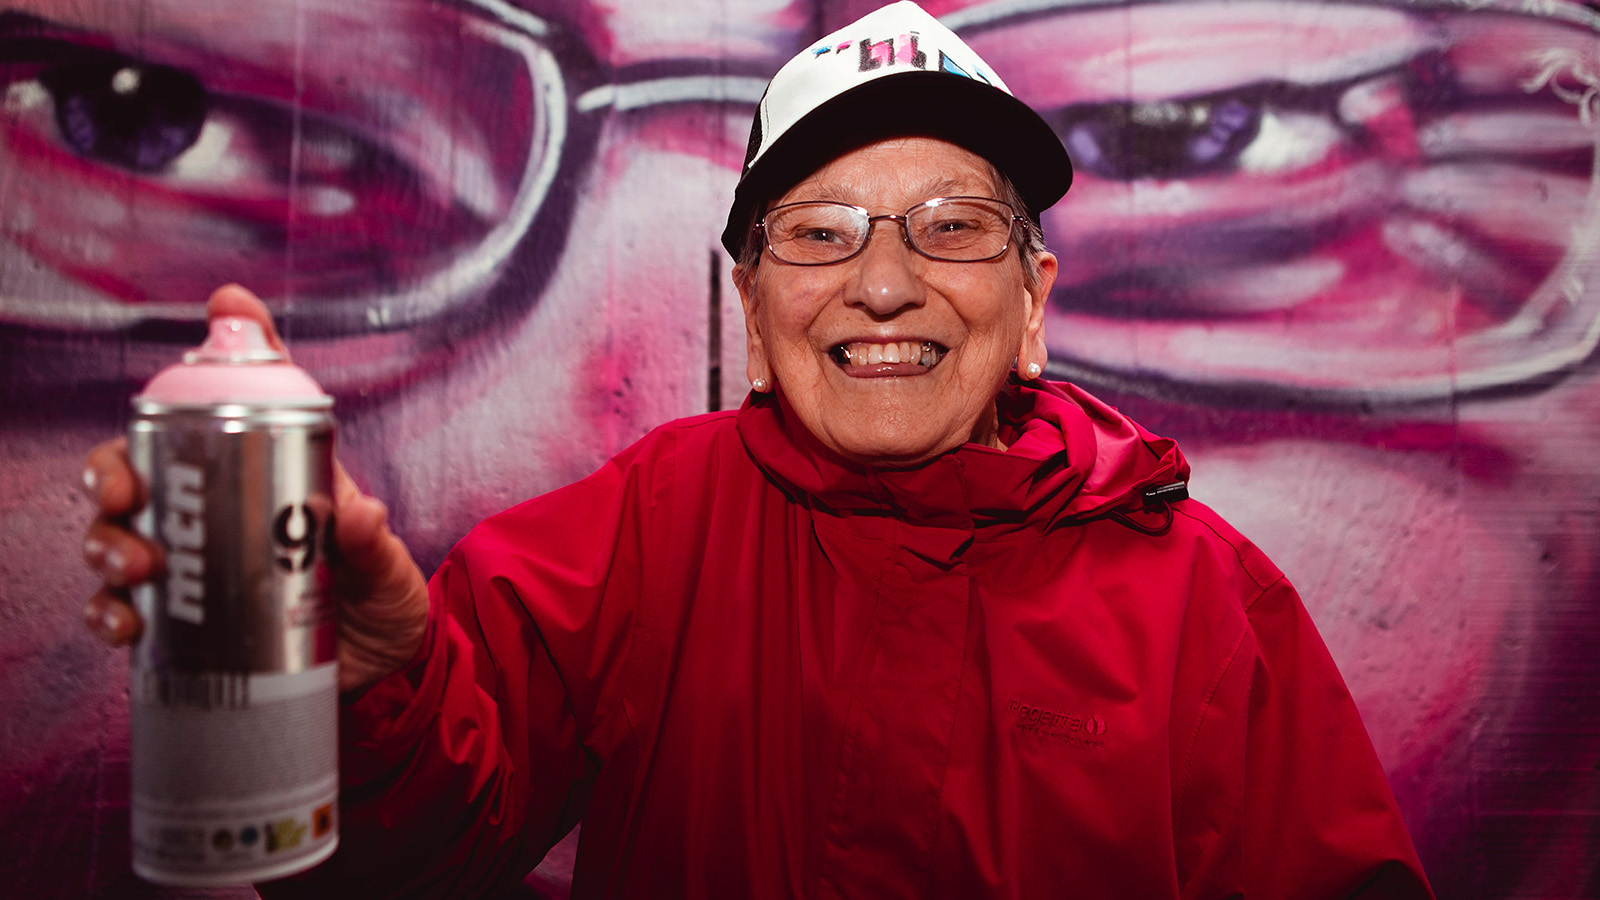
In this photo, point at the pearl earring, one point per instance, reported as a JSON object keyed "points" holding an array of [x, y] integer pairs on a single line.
{"points": [[760, 385], [1034, 370]]}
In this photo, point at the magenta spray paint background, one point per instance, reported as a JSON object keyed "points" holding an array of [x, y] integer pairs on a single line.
{"points": [[1345, 253]]}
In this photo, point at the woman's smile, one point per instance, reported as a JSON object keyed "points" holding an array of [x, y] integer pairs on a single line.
{"points": [[873, 359]]}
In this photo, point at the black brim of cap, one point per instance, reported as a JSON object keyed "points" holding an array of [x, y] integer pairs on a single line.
{"points": [[964, 111]]}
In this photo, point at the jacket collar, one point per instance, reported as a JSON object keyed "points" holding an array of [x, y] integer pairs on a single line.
{"points": [[1070, 457]]}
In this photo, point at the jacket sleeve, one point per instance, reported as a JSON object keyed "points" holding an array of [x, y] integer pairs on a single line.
{"points": [[460, 771], [1285, 797]]}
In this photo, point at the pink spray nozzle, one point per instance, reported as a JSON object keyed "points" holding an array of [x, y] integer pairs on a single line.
{"points": [[234, 365], [234, 339]]}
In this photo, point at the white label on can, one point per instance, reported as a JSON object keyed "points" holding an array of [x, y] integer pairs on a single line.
{"points": [[235, 775]]}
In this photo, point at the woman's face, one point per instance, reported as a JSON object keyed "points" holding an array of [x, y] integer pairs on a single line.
{"points": [[811, 327]]}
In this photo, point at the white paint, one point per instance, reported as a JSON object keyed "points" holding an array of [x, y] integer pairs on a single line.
{"points": [[126, 80]]}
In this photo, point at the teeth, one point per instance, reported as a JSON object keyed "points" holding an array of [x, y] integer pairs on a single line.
{"points": [[925, 353]]}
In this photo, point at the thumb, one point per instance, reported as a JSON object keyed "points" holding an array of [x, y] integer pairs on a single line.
{"points": [[362, 539], [382, 595]]}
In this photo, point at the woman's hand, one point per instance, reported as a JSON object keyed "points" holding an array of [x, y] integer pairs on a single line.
{"points": [[380, 595]]}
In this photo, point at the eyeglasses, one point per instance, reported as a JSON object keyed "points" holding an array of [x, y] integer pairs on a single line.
{"points": [[947, 229]]}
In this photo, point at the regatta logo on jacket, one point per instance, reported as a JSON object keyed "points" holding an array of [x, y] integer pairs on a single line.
{"points": [[1053, 725]]}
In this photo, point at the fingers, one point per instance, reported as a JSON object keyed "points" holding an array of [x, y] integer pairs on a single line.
{"points": [[120, 557], [109, 480], [234, 300], [111, 619]]}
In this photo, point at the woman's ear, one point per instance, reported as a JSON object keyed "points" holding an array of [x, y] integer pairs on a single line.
{"points": [[756, 367], [1033, 354]]}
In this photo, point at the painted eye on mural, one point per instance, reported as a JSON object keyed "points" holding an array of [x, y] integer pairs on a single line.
{"points": [[162, 123], [1347, 202], [377, 177], [121, 113], [1166, 139]]}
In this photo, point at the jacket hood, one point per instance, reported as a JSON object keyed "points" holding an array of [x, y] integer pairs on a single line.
{"points": [[1070, 457]]}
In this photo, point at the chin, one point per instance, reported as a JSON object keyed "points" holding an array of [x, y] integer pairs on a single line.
{"points": [[890, 451]]}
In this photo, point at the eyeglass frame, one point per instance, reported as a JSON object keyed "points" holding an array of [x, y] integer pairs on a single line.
{"points": [[902, 219]]}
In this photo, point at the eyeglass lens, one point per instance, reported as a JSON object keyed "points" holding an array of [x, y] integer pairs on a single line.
{"points": [[953, 229]]}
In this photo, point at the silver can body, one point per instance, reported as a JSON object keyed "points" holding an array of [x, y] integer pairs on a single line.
{"points": [[234, 684]]}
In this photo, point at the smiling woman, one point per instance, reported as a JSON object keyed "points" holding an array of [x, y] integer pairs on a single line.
{"points": [[828, 336]]}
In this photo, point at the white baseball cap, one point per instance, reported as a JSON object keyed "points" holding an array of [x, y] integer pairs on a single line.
{"points": [[894, 72]]}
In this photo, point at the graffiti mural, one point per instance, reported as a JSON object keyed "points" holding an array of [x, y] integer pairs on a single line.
{"points": [[1344, 252]]}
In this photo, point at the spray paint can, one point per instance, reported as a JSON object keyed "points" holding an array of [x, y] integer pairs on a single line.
{"points": [[234, 682]]}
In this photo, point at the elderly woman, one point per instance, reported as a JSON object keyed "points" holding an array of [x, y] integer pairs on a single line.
{"points": [[909, 623]]}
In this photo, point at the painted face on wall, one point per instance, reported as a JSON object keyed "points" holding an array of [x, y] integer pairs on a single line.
{"points": [[1335, 202], [391, 177], [319, 152]]}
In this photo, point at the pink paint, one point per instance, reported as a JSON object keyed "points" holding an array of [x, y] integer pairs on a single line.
{"points": [[905, 49], [882, 54]]}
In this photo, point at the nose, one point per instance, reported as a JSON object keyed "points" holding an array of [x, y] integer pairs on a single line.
{"points": [[886, 277]]}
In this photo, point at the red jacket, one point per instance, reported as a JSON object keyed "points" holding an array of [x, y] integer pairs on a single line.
{"points": [[754, 669]]}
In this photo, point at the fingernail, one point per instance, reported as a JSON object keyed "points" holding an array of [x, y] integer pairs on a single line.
{"points": [[103, 556], [91, 482], [105, 559], [111, 622], [103, 622], [115, 566]]}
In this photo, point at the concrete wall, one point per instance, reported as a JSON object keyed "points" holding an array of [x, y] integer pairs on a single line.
{"points": [[1345, 253]]}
